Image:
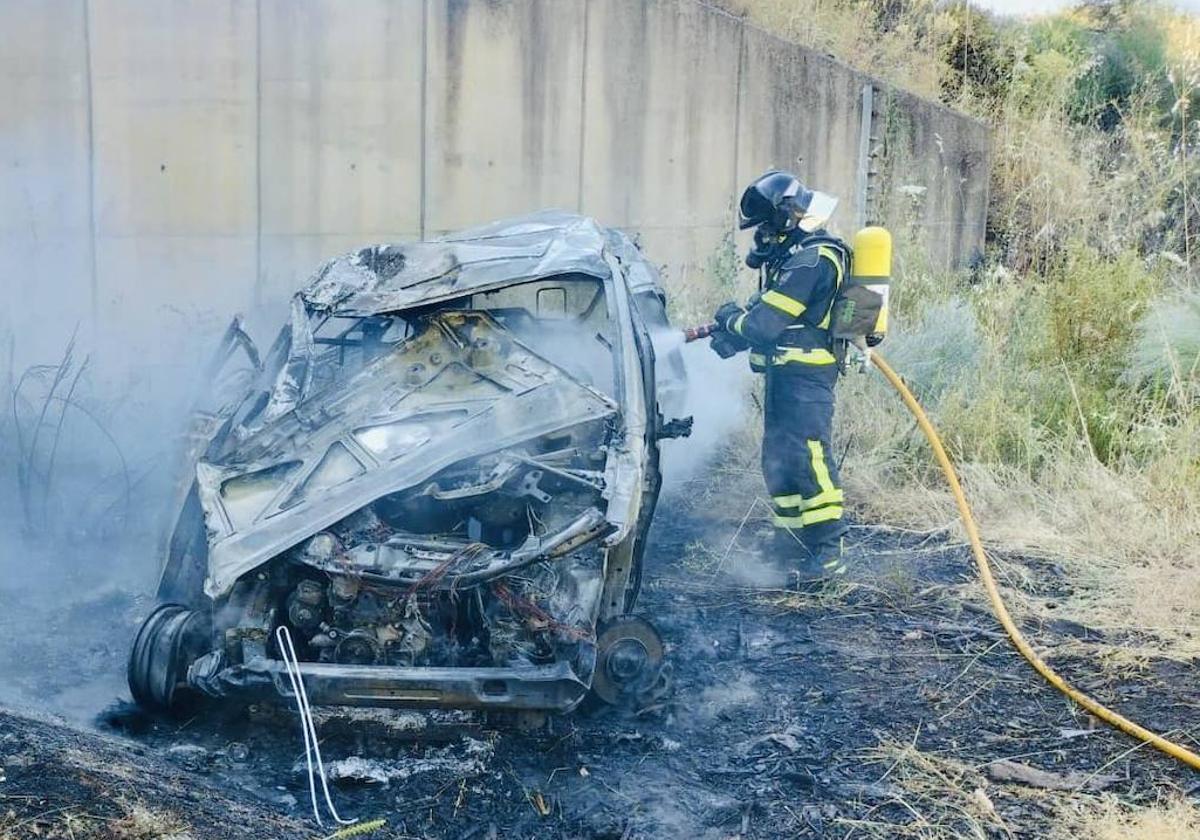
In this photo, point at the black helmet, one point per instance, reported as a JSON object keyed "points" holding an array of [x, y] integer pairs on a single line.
{"points": [[778, 199]]}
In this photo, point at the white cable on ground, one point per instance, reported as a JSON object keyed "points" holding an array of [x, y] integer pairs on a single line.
{"points": [[312, 747]]}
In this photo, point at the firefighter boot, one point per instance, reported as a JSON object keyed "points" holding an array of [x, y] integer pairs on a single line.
{"points": [[787, 552], [830, 557], [823, 564]]}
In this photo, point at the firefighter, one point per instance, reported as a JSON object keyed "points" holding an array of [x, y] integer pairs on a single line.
{"points": [[786, 328]]}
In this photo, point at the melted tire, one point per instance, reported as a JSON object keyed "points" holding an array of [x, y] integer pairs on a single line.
{"points": [[168, 641]]}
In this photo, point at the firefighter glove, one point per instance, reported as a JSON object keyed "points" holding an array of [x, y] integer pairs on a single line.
{"points": [[726, 344], [727, 314]]}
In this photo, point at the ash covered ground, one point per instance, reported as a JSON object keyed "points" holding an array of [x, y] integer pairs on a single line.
{"points": [[878, 711]]}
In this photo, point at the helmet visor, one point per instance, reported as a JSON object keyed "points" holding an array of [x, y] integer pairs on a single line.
{"points": [[818, 213], [754, 208]]}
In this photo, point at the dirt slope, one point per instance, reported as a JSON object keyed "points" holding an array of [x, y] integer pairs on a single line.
{"points": [[58, 781]]}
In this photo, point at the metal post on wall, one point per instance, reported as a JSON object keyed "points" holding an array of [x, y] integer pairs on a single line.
{"points": [[865, 156]]}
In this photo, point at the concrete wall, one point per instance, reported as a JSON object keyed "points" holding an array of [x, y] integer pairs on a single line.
{"points": [[934, 177], [46, 260], [340, 131], [165, 163]]}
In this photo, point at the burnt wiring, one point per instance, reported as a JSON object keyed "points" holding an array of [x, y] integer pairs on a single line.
{"points": [[438, 572], [523, 607]]}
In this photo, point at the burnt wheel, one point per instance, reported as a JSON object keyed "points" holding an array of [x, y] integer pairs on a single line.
{"points": [[169, 640], [629, 660]]}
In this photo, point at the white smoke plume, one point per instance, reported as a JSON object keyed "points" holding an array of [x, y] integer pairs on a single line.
{"points": [[717, 398]]}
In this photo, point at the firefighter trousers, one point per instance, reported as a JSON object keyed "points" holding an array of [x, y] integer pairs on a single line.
{"points": [[798, 465]]}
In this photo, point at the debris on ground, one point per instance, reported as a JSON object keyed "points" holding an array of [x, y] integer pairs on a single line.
{"points": [[465, 761], [1012, 771]]}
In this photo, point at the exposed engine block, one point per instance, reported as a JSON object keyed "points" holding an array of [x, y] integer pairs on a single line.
{"points": [[351, 623]]}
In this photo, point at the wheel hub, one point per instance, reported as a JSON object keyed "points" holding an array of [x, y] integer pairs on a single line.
{"points": [[629, 659]]}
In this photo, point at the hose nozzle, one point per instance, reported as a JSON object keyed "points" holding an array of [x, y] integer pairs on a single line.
{"points": [[696, 333]]}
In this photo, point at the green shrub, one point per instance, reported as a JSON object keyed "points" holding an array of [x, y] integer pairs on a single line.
{"points": [[723, 267], [1094, 306], [1130, 56], [978, 59]]}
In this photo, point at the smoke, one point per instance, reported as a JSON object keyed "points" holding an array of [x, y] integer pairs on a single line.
{"points": [[715, 396], [82, 499], [102, 346], [90, 430]]}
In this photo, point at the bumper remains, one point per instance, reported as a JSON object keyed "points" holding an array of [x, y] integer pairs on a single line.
{"points": [[553, 687]]}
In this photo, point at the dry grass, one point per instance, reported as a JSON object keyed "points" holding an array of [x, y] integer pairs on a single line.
{"points": [[935, 797], [1111, 819], [1126, 536], [941, 799], [139, 821], [144, 823], [905, 54], [1125, 576]]}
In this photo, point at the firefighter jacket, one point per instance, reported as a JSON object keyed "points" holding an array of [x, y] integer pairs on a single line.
{"points": [[788, 325]]}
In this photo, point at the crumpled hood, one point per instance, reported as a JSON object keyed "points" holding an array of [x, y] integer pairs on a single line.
{"points": [[464, 387]]}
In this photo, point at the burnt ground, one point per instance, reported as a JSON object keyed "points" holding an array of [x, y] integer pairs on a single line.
{"points": [[875, 711]]}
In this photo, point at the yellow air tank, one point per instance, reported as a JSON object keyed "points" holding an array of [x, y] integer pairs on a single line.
{"points": [[862, 305]]}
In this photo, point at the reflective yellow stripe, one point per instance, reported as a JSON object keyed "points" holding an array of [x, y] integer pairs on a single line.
{"points": [[828, 497], [820, 469], [783, 303], [832, 256], [758, 359], [825, 497], [820, 356], [809, 517], [737, 325], [825, 514]]}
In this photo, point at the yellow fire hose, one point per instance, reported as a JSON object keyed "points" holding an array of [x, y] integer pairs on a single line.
{"points": [[989, 582]]}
